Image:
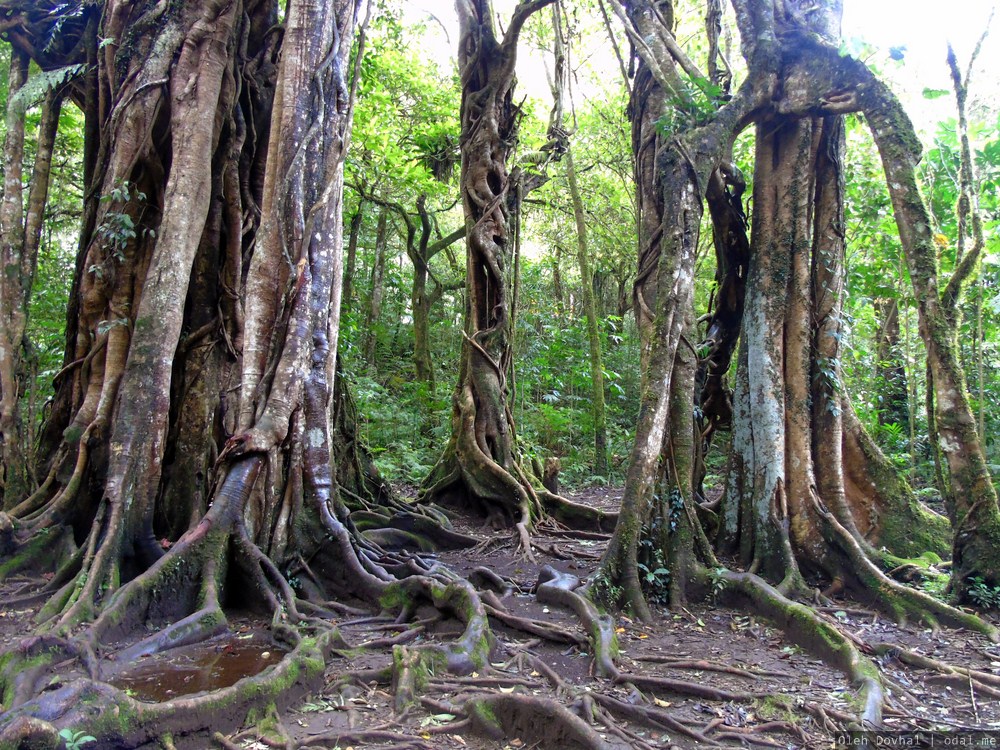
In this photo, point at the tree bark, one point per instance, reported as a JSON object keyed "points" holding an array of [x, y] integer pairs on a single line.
{"points": [[12, 284], [975, 515], [376, 288], [480, 464], [199, 423], [890, 369], [354, 233]]}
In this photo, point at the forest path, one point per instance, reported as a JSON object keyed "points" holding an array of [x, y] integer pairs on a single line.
{"points": [[711, 675]]}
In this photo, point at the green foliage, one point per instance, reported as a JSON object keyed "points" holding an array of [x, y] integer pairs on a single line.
{"points": [[403, 423], [41, 82], [984, 595], [118, 228], [654, 572], [604, 590], [695, 104], [936, 586], [75, 740], [717, 577], [405, 134]]}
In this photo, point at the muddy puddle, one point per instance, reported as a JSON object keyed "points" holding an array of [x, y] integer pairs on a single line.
{"points": [[215, 664]]}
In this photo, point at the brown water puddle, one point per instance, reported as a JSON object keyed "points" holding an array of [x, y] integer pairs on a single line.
{"points": [[208, 666]]}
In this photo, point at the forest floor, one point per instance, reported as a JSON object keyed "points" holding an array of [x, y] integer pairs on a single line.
{"points": [[738, 680]]}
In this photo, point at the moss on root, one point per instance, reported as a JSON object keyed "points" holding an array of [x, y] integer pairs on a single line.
{"points": [[817, 636], [119, 720], [913, 530], [36, 552]]}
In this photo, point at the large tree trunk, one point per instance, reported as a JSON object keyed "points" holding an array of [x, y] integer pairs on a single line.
{"points": [[972, 496], [670, 175], [480, 464], [207, 424], [770, 428], [20, 235], [786, 509], [11, 243]]}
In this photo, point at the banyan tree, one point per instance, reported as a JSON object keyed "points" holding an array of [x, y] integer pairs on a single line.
{"points": [[199, 449]]}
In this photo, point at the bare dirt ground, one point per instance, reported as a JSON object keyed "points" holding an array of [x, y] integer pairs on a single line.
{"points": [[726, 677]]}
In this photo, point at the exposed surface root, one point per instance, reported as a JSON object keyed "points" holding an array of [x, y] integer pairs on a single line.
{"points": [[560, 589], [123, 722], [972, 679], [902, 600], [534, 719], [577, 515], [818, 636], [455, 646], [705, 666]]}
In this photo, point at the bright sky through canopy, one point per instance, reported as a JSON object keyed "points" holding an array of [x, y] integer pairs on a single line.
{"points": [[922, 27], [925, 28]]}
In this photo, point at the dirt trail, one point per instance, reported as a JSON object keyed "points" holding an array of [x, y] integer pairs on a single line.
{"points": [[702, 676]]}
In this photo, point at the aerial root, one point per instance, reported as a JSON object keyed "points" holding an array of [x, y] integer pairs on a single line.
{"points": [[51, 511], [39, 497]]}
